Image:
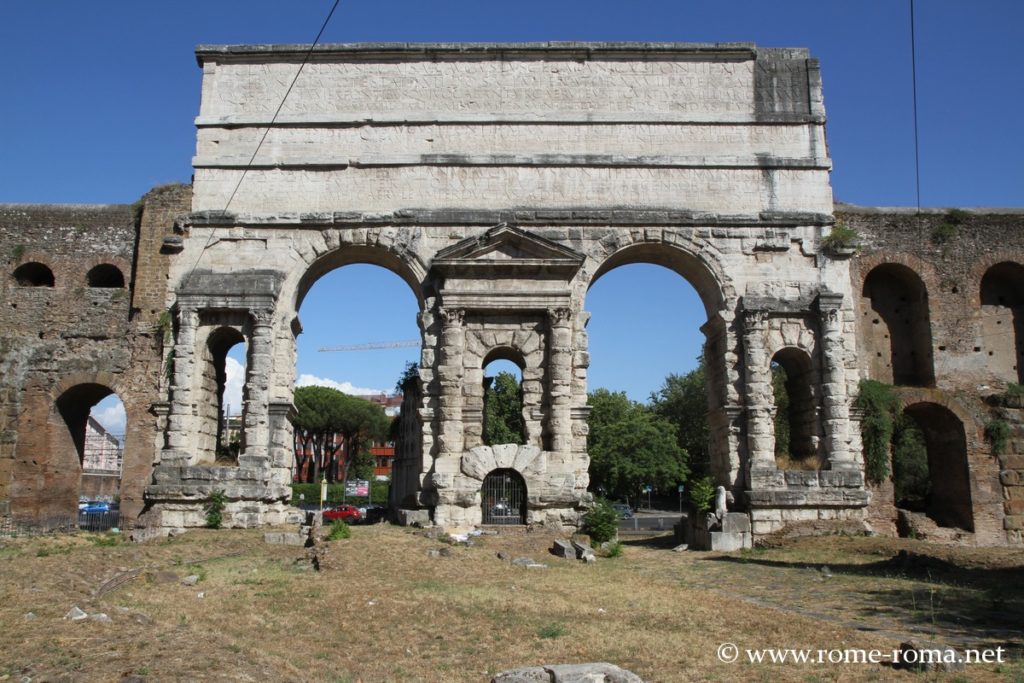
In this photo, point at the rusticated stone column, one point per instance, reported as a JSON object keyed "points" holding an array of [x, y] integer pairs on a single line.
{"points": [[453, 339], [179, 449], [560, 378], [836, 405], [256, 437], [758, 393]]}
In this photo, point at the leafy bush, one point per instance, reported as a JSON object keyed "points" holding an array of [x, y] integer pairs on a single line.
{"points": [[840, 237], [997, 431], [339, 530], [879, 405], [601, 522], [215, 509], [702, 494], [911, 481]]}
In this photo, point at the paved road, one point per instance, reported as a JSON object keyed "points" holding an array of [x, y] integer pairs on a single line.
{"points": [[650, 521]]}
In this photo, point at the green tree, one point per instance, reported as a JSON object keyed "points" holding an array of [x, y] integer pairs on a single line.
{"points": [[630, 446], [910, 478], [503, 411], [783, 406], [322, 413], [683, 401]]}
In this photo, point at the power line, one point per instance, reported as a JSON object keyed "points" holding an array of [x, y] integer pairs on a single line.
{"points": [[266, 132], [280, 106], [913, 75]]}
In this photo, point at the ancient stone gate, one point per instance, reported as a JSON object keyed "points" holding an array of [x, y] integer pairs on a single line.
{"points": [[500, 182]]}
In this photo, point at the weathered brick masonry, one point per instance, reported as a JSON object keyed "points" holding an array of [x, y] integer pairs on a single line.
{"points": [[952, 315], [66, 346]]}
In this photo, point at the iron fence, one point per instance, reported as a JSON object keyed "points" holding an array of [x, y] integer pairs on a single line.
{"points": [[11, 527]]}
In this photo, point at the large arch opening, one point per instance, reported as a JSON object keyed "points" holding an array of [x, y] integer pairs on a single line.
{"points": [[358, 332], [1002, 320], [103, 453], [503, 498], [947, 498], [656, 370], [797, 432], [898, 337], [85, 449]]}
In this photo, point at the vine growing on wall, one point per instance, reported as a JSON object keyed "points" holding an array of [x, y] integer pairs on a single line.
{"points": [[880, 407]]}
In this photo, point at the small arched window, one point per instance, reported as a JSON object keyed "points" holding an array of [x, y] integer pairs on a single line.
{"points": [[105, 275], [33, 275]]}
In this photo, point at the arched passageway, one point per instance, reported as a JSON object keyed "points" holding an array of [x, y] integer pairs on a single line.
{"points": [[897, 329], [654, 331], [948, 501], [1002, 320]]}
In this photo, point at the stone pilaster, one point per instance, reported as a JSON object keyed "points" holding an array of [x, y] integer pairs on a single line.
{"points": [[835, 401], [560, 379], [256, 435], [450, 371], [758, 393], [180, 419]]}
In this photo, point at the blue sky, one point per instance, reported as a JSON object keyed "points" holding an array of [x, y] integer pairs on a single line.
{"points": [[99, 100]]}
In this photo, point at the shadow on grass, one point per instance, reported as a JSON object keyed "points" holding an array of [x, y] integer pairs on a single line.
{"points": [[969, 603], [666, 541]]}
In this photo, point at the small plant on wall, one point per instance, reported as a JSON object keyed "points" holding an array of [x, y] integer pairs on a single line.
{"points": [[841, 239]]}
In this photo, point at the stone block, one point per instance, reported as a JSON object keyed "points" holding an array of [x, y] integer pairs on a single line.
{"points": [[563, 548], [407, 517], [736, 522], [283, 538], [729, 541]]}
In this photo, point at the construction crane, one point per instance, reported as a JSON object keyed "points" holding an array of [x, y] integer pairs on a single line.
{"points": [[372, 346]]}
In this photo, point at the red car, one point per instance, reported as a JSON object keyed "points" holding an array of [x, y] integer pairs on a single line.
{"points": [[346, 513]]}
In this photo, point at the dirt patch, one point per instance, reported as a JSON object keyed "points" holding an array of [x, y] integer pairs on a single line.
{"points": [[386, 610]]}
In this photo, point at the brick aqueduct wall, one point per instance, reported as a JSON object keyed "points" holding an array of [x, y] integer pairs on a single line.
{"points": [[941, 314]]}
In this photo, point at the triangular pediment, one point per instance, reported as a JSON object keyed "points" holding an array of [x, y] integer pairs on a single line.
{"points": [[508, 246]]}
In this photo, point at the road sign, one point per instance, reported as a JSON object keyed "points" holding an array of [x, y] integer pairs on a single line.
{"points": [[681, 488]]}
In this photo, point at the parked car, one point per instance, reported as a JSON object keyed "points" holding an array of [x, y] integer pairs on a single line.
{"points": [[624, 510], [344, 512], [373, 513], [93, 507]]}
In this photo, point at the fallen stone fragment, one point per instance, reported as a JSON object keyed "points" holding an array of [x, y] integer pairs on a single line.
{"points": [[563, 548], [190, 580], [76, 614], [599, 672]]}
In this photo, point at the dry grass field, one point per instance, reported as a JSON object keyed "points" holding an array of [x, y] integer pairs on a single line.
{"points": [[383, 610]]}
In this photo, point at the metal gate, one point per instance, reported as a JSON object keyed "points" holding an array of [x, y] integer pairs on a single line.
{"points": [[504, 498]]}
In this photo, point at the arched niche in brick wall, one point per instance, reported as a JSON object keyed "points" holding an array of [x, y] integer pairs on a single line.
{"points": [[1002, 320], [105, 275], [33, 274], [897, 326]]}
